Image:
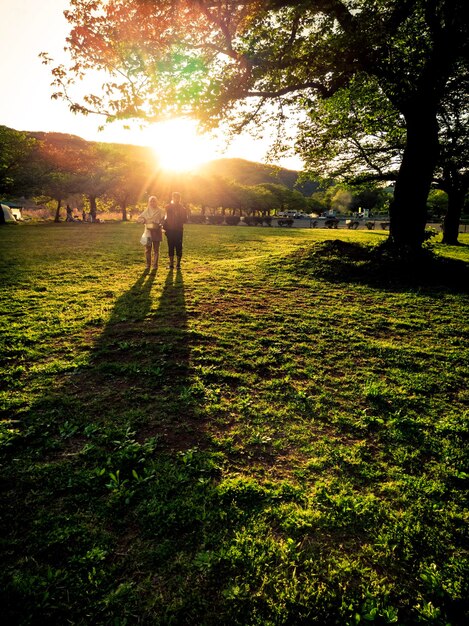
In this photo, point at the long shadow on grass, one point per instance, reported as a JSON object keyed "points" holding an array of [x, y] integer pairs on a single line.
{"points": [[105, 480], [140, 365], [137, 379]]}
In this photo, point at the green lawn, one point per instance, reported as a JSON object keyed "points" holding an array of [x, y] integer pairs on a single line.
{"points": [[276, 435]]}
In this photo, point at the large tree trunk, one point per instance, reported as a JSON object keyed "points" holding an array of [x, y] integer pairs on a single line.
{"points": [[57, 211], [456, 196], [93, 208], [408, 211], [124, 210]]}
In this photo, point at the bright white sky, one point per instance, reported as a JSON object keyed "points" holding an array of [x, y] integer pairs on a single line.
{"points": [[28, 27]]}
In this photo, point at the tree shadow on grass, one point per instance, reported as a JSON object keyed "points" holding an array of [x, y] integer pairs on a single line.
{"points": [[340, 261]]}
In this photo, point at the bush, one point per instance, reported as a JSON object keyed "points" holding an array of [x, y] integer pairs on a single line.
{"points": [[267, 221], [254, 220], [232, 220], [285, 222], [197, 219], [215, 219]]}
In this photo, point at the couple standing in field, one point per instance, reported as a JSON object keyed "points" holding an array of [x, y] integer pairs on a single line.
{"points": [[172, 222]]}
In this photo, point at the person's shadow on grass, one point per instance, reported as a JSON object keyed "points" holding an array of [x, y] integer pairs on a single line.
{"points": [[118, 440], [141, 363], [134, 304]]}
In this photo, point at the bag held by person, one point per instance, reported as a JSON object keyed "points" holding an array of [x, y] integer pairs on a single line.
{"points": [[145, 238]]}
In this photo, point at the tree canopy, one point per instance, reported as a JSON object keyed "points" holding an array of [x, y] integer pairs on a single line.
{"points": [[233, 61], [358, 136], [18, 163]]}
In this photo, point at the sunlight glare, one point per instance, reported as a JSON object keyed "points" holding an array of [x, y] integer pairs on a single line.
{"points": [[179, 147]]}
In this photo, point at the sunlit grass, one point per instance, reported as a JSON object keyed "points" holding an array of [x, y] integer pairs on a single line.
{"points": [[247, 442]]}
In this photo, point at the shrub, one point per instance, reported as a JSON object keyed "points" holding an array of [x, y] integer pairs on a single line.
{"points": [[215, 219], [197, 219], [232, 220]]}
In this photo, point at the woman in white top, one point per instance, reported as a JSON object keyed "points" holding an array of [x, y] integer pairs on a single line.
{"points": [[152, 218]]}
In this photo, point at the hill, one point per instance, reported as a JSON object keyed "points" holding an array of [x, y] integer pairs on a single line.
{"points": [[251, 173], [240, 170], [64, 141]]}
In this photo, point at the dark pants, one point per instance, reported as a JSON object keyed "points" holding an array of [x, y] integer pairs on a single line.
{"points": [[174, 242]]}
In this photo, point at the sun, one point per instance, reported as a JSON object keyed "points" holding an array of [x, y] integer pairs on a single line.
{"points": [[178, 146]]}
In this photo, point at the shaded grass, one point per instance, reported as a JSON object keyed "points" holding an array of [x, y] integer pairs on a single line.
{"points": [[274, 436], [378, 266]]}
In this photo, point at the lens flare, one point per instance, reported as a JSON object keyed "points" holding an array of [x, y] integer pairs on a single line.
{"points": [[178, 146]]}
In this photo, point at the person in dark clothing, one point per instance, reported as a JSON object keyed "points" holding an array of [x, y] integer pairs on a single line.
{"points": [[176, 217]]}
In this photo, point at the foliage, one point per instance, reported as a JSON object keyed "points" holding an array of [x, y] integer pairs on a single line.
{"points": [[18, 167], [437, 202], [224, 61], [71, 170], [277, 435], [357, 135]]}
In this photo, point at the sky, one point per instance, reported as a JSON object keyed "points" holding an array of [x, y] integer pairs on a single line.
{"points": [[28, 27]]}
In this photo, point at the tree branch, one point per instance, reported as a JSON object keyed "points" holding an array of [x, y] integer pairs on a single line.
{"points": [[333, 8], [289, 89]]}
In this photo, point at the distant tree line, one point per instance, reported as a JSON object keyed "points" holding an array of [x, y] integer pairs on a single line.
{"points": [[54, 169]]}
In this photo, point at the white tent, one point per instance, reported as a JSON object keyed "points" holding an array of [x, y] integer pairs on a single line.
{"points": [[7, 214]]}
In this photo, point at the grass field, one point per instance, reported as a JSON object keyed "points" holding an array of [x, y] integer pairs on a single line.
{"points": [[276, 435]]}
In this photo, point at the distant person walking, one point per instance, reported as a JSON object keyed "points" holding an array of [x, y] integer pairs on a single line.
{"points": [[176, 217], [152, 217]]}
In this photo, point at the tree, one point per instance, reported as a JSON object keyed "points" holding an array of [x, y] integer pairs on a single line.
{"points": [[261, 200], [452, 172], [130, 177], [371, 198], [358, 136], [355, 136], [19, 164], [224, 60], [100, 172], [212, 191], [284, 198], [62, 172], [318, 202], [437, 203]]}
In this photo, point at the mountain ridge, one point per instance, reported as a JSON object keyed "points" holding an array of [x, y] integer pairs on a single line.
{"points": [[241, 170]]}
